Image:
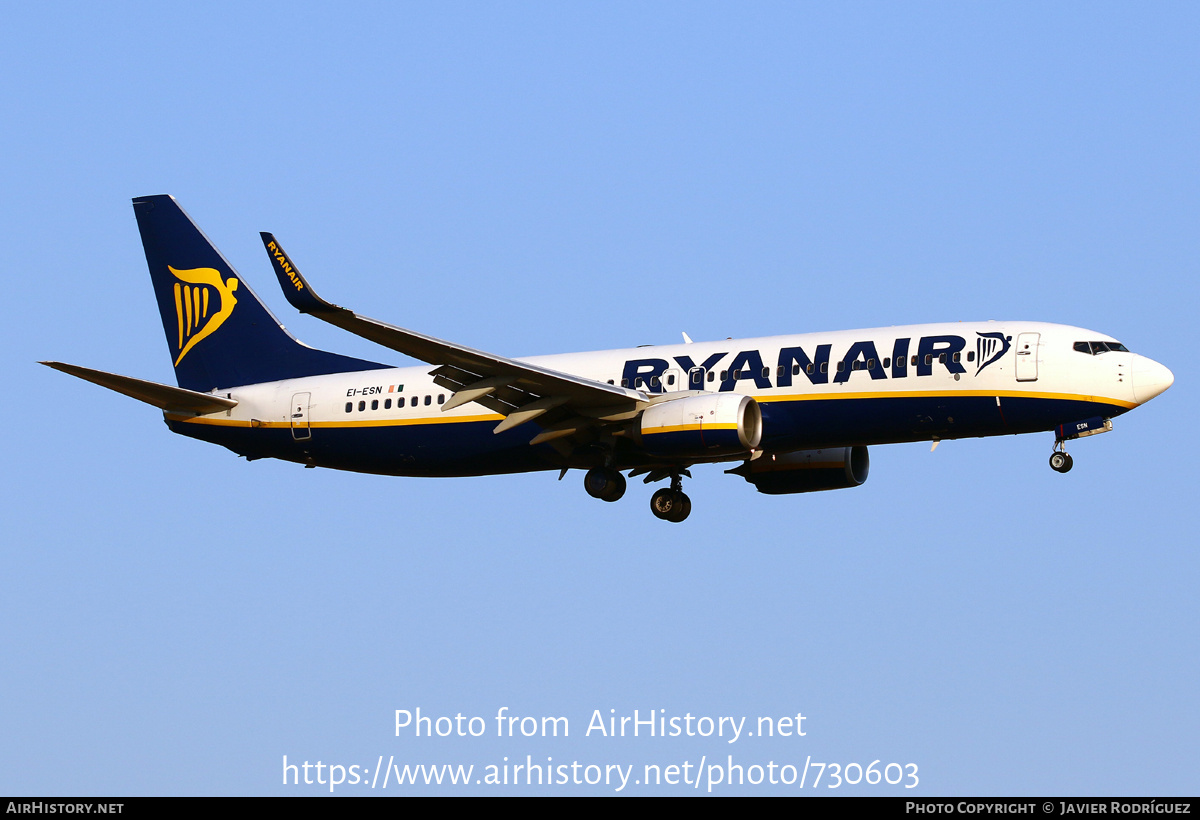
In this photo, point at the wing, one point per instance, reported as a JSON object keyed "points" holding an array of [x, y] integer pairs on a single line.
{"points": [[518, 390]]}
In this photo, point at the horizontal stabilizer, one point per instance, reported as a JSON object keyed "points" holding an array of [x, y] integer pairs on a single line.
{"points": [[174, 399]]}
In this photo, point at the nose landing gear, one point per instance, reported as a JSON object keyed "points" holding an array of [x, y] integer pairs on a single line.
{"points": [[1060, 462], [1060, 459]]}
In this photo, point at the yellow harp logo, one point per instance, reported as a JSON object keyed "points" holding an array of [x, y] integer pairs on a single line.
{"points": [[193, 298]]}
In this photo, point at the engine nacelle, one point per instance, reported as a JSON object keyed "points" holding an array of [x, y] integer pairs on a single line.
{"points": [[713, 424], [807, 471]]}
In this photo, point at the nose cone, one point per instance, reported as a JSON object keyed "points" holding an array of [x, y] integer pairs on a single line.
{"points": [[1149, 379]]}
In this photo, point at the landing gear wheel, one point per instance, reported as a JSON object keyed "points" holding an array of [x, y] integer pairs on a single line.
{"points": [[605, 484], [670, 505], [1061, 462], [685, 508]]}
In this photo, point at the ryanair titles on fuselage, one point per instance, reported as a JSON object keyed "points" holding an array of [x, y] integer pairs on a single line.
{"points": [[901, 360]]}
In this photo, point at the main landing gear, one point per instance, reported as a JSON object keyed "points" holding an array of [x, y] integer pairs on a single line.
{"points": [[1060, 459], [606, 484], [671, 504]]}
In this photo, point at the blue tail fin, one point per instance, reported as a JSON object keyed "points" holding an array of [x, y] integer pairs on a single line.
{"points": [[219, 333]]}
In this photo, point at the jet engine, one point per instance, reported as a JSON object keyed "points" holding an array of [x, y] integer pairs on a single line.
{"points": [[806, 471], [713, 424]]}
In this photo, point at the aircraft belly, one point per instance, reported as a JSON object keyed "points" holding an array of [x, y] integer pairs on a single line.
{"points": [[816, 423], [462, 449]]}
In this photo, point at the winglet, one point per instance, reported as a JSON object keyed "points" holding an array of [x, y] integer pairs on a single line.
{"points": [[295, 287]]}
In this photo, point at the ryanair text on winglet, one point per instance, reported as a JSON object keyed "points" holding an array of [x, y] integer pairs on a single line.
{"points": [[285, 265]]}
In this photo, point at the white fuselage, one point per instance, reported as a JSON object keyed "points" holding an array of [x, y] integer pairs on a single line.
{"points": [[911, 382]]}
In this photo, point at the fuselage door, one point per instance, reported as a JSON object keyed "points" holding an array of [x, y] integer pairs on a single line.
{"points": [[672, 380], [1027, 357], [298, 416]]}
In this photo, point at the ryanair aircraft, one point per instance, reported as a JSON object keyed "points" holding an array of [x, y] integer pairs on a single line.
{"points": [[796, 413]]}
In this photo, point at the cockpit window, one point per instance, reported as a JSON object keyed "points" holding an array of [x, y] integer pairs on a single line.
{"points": [[1096, 348]]}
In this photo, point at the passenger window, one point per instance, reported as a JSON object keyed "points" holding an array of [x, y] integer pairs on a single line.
{"points": [[624, 382], [870, 364], [387, 404], [824, 367], [957, 357], [610, 381], [712, 375], [737, 374], [914, 361], [796, 369], [362, 405], [857, 365], [766, 372], [724, 375], [637, 382], [841, 366], [887, 361], [654, 381], [428, 400], [349, 406], [441, 398], [808, 369], [374, 404], [942, 359], [971, 356], [412, 402]]}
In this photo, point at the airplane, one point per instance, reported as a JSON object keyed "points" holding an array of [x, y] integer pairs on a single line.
{"points": [[794, 413]]}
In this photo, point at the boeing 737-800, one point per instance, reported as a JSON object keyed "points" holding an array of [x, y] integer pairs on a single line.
{"points": [[796, 413]]}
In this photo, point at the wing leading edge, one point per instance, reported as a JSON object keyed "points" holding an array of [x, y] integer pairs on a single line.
{"points": [[518, 390]]}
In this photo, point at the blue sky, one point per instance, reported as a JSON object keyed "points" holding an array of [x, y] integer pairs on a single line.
{"points": [[532, 179]]}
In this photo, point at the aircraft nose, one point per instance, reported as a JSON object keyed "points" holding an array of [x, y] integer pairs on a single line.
{"points": [[1149, 378]]}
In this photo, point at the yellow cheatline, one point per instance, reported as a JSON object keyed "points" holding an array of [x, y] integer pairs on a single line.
{"points": [[688, 427], [226, 422], [393, 422], [916, 394]]}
